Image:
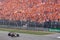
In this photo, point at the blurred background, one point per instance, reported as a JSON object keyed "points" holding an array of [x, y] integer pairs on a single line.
{"points": [[30, 14]]}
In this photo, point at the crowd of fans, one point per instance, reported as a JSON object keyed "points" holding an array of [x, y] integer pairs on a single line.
{"points": [[32, 10]]}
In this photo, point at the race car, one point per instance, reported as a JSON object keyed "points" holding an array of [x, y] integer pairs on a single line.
{"points": [[12, 34]]}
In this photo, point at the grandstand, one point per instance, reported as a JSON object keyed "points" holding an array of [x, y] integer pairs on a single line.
{"points": [[33, 13]]}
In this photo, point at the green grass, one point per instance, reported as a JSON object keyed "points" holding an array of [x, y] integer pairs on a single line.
{"points": [[26, 31]]}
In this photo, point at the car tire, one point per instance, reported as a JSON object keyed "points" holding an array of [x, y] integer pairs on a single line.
{"points": [[9, 34], [17, 35]]}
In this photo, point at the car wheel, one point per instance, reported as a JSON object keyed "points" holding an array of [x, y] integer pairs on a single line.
{"points": [[17, 35], [9, 34]]}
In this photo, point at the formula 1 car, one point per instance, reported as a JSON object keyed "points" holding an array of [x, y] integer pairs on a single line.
{"points": [[12, 34]]}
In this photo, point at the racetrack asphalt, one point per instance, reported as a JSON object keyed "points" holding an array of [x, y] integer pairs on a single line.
{"points": [[4, 36]]}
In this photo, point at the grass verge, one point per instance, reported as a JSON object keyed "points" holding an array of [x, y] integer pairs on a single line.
{"points": [[26, 31]]}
